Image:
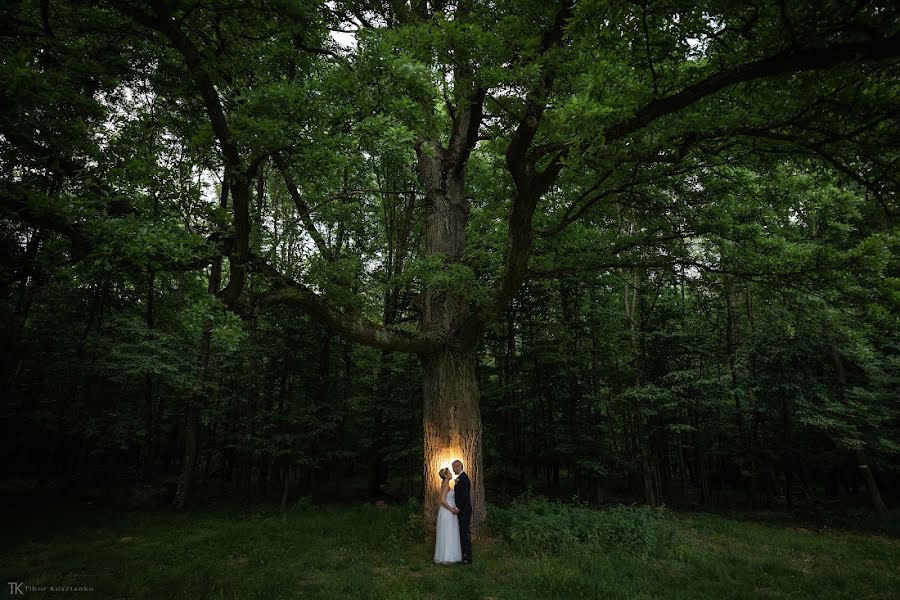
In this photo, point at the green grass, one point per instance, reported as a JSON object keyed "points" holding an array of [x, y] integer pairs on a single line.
{"points": [[369, 552]]}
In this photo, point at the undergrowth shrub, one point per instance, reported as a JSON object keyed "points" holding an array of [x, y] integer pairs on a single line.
{"points": [[539, 526]]}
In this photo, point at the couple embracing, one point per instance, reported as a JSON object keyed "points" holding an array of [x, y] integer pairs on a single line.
{"points": [[453, 542]]}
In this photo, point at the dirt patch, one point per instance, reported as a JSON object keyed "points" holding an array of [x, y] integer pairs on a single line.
{"points": [[826, 530], [812, 528], [806, 563], [240, 559]]}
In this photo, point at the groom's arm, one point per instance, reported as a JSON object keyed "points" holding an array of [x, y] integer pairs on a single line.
{"points": [[463, 494]]}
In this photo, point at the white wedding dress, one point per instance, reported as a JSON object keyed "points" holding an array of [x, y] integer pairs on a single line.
{"points": [[447, 548]]}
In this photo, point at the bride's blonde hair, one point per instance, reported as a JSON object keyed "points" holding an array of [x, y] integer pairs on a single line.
{"points": [[441, 473]]}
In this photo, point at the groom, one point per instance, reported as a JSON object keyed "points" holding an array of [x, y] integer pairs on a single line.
{"points": [[463, 511]]}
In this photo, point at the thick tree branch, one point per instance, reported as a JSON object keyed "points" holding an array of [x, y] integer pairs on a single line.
{"points": [[466, 122], [530, 185], [14, 205], [286, 290], [790, 61], [164, 22], [352, 326], [788, 131], [518, 162], [783, 63]]}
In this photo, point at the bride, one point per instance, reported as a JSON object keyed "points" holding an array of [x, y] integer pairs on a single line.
{"points": [[447, 548]]}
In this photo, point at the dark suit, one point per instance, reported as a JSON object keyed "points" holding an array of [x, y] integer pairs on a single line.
{"points": [[463, 495]]}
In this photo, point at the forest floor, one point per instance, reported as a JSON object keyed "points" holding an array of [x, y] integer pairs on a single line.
{"points": [[375, 552]]}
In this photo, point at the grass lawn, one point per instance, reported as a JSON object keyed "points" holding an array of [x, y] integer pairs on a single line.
{"points": [[370, 552]]}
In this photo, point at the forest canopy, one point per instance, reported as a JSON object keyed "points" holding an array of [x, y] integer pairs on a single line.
{"points": [[611, 249]]}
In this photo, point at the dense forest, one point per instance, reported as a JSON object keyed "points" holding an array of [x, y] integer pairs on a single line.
{"points": [[605, 251]]}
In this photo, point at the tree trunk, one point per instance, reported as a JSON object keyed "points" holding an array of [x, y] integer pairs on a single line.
{"points": [[147, 453], [786, 458], [452, 426], [451, 410], [192, 431], [10, 360], [859, 454], [377, 468], [286, 489], [732, 341]]}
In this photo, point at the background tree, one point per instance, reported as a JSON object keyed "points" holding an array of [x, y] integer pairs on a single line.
{"points": [[641, 178]]}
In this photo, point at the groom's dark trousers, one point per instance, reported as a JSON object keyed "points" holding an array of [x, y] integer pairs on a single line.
{"points": [[464, 504]]}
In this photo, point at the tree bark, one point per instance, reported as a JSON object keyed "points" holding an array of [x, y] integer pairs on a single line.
{"points": [[452, 426], [451, 410]]}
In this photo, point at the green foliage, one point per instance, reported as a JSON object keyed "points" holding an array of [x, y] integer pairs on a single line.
{"points": [[752, 227], [541, 527]]}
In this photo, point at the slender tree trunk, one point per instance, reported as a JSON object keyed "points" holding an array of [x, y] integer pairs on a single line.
{"points": [[192, 430], [58, 441], [754, 451], [862, 462], [700, 459], [512, 445], [786, 455], [149, 409], [377, 469], [13, 332], [287, 476], [641, 438], [248, 460], [732, 340], [685, 474]]}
